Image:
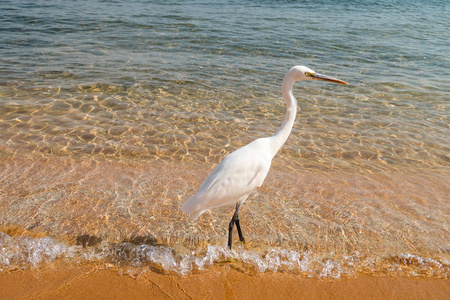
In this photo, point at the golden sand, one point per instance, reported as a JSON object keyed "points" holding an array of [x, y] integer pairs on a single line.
{"points": [[93, 281]]}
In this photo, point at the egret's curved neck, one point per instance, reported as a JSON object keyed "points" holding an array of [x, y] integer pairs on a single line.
{"points": [[280, 137]]}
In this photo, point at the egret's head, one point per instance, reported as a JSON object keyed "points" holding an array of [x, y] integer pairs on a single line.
{"points": [[300, 73]]}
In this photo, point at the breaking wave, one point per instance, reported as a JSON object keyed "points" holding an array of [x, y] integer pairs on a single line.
{"points": [[23, 252]]}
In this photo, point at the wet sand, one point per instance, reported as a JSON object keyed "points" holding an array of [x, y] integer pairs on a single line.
{"points": [[94, 281]]}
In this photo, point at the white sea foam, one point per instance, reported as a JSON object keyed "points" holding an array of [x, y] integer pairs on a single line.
{"points": [[28, 252], [23, 252]]}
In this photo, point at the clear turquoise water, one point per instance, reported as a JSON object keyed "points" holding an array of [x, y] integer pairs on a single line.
{"points": [[113, 112]]}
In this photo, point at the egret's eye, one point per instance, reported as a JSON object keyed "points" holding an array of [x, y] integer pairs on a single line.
{"points": [[309, 74]]}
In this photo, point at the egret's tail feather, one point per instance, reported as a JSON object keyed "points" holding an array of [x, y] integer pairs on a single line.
{"points": [[191, 208]]}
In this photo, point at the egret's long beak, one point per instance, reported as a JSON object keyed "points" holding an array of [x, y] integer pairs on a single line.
{"points": [[317, 76]]}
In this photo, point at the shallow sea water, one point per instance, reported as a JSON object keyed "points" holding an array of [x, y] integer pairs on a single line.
{"points": [[113, 114]]}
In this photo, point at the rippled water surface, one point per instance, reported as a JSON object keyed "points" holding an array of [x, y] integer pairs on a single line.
{"points": [[112, 113]]}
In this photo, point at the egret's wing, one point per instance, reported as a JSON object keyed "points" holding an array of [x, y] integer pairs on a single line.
{"points": [[233, 179]]}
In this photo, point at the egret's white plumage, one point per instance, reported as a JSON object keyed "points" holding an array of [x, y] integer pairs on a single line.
{"points": [[233, 179], [245, 169]]}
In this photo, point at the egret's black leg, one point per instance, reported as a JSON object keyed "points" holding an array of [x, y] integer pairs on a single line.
{"points": [[234, 220], [238, 227], [230, 233]]}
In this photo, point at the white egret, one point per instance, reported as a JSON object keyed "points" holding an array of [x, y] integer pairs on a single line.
{"points": [[245, 169]]}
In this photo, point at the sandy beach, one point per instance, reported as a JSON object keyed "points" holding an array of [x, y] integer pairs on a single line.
{"points": [[94, 281]]}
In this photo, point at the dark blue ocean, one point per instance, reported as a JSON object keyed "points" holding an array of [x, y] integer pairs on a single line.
{"points": [[112, 113]]}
